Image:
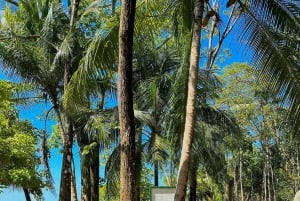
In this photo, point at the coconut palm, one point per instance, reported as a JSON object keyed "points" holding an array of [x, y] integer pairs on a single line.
{"points": [[94, 134], [91, 84], [28, 40], [214, 118], [271, 28], [37, 38], [191, 101], [96, 68]]}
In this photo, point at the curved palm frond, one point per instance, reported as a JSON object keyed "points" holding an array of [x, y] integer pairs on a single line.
{"points": [[214, 116], [272, 28], [209, 83], [208, 149], [143, 117], [157, 148], [97, 126], [95, 71], [26, 50], [177, 98], [112, 173], [152, 27]]}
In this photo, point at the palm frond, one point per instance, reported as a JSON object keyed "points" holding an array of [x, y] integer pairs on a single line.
{"points": [[157, 148], [91, 8], [112, 173], [23, 51], [272, 28], [63, 53], [53, 29], [214, 116], [95, 71], [144, 117], [177, 98], [97, 125], [208, 149]]}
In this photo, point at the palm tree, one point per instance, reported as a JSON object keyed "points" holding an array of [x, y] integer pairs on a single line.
{"points": [[153, 79], [35, 52], [125, 102], [191, 101], [271, 28], [211, 13], [257, 25], [90, 124], [69, 63]]}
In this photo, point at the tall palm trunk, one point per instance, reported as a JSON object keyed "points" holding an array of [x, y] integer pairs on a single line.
{"points": [[85, 176], [73, 183], [66, 171], [235, 176], [191, 101], [193, 185], [67, 141], [94, 173], [138, 164], [125, 103], [265, 182], [85, 158]]}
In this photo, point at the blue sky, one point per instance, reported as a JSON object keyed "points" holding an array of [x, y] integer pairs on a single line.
{"points": [[32, 112]]}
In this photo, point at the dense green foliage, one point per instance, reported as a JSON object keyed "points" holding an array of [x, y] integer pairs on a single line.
{"points": [[20, 161], [263, 158], [245, 144]]}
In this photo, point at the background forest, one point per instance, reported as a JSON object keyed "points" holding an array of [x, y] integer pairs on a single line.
{"points": [[153, 92]]}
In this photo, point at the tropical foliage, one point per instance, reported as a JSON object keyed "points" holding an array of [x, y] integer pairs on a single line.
{"points": [[142, 85], [19, 140]]}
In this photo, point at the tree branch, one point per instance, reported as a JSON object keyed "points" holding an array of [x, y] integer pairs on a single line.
{"points": [[230, 24]]}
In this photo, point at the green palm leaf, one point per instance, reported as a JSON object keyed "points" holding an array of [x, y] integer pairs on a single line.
{"points": [[272, 28]]}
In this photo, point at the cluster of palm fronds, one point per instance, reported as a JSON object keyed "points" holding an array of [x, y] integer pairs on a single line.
{"points": [[36, 42]]}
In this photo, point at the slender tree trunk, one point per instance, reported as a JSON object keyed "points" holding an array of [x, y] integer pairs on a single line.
{"points": [[235, 176], [67, 140], [73, 182], [73, 189], [156, 173], [85, 167], [66, 171], [210, 39], [138, 164], [125, 103], [85, 176], [265, 182], [193, 181], [94, 173], [241, 175], [229, 188], [297, 171], [268, 176], [273, 184], [191, 101], [27, 194], [252, 186]]}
